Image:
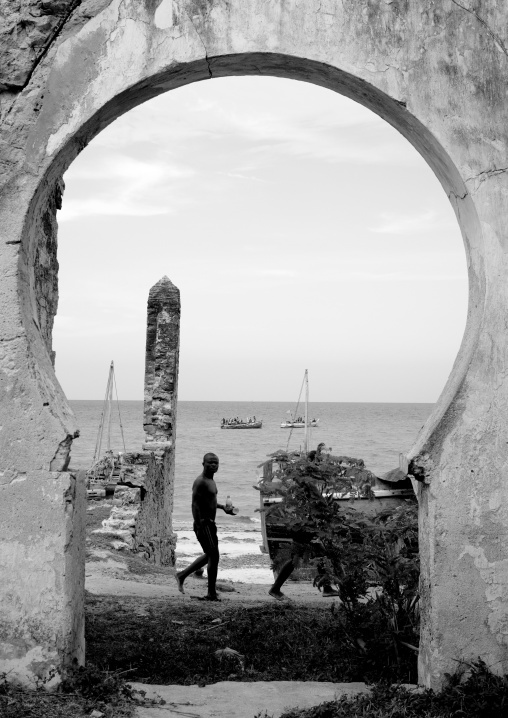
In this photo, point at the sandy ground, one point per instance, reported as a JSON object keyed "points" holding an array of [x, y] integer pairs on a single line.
{"points": [[110, 575]]}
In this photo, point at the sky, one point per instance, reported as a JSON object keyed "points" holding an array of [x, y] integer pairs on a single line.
{"points": [[302, 230]]}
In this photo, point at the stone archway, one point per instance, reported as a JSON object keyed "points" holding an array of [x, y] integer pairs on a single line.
{"points": [[438, 76]]}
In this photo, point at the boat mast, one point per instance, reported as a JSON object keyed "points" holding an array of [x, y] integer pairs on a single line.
{"points": [[106, 414], [110, 402], [306, 440]]}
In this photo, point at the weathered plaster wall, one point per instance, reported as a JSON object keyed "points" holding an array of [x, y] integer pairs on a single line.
{"points": [[437, 72], [43, 575]]}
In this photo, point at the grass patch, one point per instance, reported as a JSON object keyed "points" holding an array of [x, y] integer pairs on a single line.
{"points": [[156, 642], [481, 695], [84, 691]]}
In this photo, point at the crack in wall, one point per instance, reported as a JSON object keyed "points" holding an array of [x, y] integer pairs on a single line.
{"points": [[457, 196], [58, 29], [45, 50], [481, 177], [487, 27], [201, 41], [485, 174], [11, 339]]}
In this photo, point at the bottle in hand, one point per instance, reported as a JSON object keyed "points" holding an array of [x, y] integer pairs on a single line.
{"points": [[230, 507]]}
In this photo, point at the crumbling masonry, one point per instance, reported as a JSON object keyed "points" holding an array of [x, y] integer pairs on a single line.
{"points": [[143, 519], [436, 71]]}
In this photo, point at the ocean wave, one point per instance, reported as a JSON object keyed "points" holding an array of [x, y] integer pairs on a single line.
{"points": [[242, 524], [247, 519]]}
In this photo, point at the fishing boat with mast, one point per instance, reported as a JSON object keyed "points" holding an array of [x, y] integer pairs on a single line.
{"points": [[105, 463], [296, 421]]}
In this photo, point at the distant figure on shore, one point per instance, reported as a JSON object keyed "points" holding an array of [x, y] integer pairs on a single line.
{"points": [[204, 508]]}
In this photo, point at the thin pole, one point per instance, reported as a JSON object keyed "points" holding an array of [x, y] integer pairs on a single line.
{"points": [[306, 444], [100, 433], [110, 401], [296, 410], [119, 415]]}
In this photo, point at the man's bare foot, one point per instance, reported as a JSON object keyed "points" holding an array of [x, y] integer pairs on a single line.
{"points": [[179, 583], [208, 598], [278, 595]]}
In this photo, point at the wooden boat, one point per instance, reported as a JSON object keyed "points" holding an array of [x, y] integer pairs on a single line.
{"points": [[105, 463], [298, 424], [383, 493], [296, 420], [243, 425]]}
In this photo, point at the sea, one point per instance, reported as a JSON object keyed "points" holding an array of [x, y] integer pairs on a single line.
{"points": [[376, 433]]}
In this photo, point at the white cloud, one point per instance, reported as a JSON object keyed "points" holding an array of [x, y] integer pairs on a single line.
{"points": [[392, 223], [121, 185], [323, 129]]}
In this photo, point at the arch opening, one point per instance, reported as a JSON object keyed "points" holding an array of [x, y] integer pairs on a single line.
{"points": [[289, 67], [335, 324]]}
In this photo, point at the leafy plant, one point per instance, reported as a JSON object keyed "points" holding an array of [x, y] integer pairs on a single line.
{"points": [[479, 695], [373, 562]]}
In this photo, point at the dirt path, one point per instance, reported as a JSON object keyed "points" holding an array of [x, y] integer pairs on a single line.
{"points": [[111, 577], [242, 700]]}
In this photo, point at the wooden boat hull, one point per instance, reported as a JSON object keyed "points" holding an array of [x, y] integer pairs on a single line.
{"points": [[277, 540], [297, 424], [252, 425]]}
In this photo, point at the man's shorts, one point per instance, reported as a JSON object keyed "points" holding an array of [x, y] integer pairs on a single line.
{"points": [[206, 534]]}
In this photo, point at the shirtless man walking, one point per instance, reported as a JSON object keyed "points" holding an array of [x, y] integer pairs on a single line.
{"points": [[204, 507]]}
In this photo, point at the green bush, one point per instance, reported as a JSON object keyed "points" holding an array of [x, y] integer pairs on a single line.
{"points": [[373, 562]]}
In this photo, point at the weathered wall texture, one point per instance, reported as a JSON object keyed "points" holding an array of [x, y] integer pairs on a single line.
{"points": [[161, 362], [43, 575], [154, 533], [437, 72]]}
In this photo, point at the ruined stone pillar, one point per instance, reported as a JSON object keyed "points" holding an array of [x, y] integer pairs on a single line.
{"points": [[154, 534]]}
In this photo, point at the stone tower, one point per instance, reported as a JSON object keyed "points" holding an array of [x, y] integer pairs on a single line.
{"points": [[161, 363], [154, 534]]}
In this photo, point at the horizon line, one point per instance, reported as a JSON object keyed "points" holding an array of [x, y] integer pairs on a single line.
{"points": [[267, 401]]}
